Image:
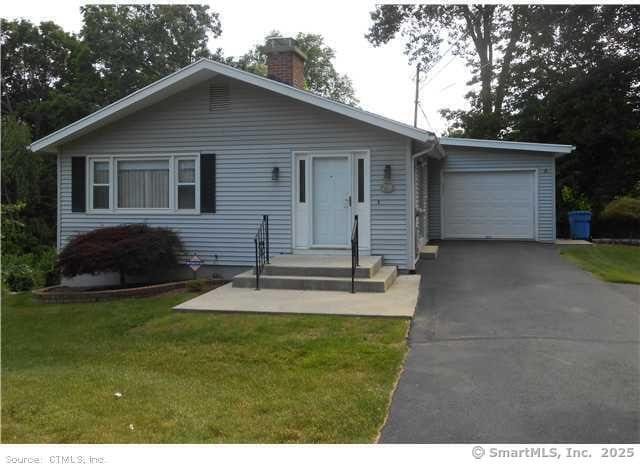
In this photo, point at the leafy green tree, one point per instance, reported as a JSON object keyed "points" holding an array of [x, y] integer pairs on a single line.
{"points": [[131, 46], [486, 36], [29, 183], [578, 82], [19, 172], [51, 78], [320, 74], [45, 75], [541, 73]]}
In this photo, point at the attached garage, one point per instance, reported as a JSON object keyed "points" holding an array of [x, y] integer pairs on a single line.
{"points": [[489, 204], [487, 189]]}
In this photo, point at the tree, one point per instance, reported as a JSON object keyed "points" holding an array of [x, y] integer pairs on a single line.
{"points": [[485, 35], [51, 78], [546, 73], [45, 75], [131, 46], [320, 74], [578, 82], [28, 179]]}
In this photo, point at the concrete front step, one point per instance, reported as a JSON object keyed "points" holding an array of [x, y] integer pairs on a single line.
{"points": [[429, 252], [321, 266], [380, 282]]}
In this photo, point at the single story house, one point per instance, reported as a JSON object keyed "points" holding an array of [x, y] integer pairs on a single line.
{"points": [[210, 149]]}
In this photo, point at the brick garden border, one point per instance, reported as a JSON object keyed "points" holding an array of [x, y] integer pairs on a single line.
{"points": [[46, 295]]}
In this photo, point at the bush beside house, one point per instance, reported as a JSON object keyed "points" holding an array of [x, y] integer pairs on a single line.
{"points": [[620, 219], [25, 262], [129, 250]]}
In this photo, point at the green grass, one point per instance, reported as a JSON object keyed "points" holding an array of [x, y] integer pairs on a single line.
{"points": [[192, 378], [612, 263]]}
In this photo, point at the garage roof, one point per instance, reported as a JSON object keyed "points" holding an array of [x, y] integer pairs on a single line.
{"points": [[552, 148]]}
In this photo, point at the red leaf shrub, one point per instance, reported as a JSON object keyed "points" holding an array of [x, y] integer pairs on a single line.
{"points": [[133, 249]]}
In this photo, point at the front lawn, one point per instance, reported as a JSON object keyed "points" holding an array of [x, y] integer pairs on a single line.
{"points": [[613, 263], [192, 378]]}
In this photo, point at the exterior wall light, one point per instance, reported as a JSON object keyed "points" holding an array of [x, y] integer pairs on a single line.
{"points": [[387, 186], [275, 173]]}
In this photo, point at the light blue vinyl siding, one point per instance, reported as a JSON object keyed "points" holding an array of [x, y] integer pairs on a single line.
{"points": [[479, 159], [258, 132]]}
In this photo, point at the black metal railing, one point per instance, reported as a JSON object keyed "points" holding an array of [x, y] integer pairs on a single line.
{"points": [[261, 241], [355, 254]]}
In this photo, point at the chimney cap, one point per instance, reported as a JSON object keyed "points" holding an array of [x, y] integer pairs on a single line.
{"points": [[283, 44]]}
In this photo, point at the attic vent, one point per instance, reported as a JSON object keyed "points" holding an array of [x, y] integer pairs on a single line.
{"points": [[219, 98]]}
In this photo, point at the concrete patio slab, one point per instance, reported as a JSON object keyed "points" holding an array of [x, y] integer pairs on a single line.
{"points": [[399, 301]]}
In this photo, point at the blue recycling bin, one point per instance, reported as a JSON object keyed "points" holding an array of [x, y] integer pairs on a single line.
{"points": [[580, 224]]}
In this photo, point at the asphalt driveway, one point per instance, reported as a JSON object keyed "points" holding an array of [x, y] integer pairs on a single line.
{"points": [[512, 343]]}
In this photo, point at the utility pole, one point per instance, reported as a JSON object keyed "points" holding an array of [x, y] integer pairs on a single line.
{"points": [[415, 109]]}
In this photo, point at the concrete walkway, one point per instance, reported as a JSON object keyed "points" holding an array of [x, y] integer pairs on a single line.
{"points": [[511, 343], [398, 301]]}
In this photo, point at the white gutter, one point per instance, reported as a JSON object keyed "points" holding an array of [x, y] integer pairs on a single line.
{"points": [[508, 145], [434, 145]]}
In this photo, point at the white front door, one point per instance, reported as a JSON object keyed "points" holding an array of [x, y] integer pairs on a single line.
{"points": [[331, 201]]}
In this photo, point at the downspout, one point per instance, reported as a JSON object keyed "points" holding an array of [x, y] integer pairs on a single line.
{"points": [[58, 199], [434, 144]]}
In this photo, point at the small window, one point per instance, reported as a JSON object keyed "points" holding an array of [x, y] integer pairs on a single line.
{"points": [[187, 184], [100, 185], [360, 180], [143, 184], [302, 180]]}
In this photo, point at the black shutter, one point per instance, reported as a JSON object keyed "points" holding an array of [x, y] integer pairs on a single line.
{"points": [[208, 183], [78, 184]]}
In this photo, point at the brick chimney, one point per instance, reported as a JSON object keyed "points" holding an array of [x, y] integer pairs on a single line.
{"points": [[285, 61]]}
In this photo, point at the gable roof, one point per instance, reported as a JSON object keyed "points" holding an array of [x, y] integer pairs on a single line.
{"points": [[200, 71], [551, 148]]}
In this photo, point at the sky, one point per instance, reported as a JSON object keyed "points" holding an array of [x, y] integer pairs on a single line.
{"points": [[382, 77]]}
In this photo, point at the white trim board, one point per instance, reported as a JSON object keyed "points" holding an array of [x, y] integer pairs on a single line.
{"points": [[551, 148], [410, 208], [201, 71]]}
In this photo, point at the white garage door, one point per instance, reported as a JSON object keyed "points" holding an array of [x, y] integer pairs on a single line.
{"points": [[489, 205]]}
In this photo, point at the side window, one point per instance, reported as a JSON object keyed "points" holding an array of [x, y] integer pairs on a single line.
{"points": [[361, 180], [302, 181], [100, 184], [186, 184], [208, 183]]}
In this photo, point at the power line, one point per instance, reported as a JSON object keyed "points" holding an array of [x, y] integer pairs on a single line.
{"points": [[426, 117], [432, 77], [439, 60], [451, 84], [417, 100], [438, 72]]}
